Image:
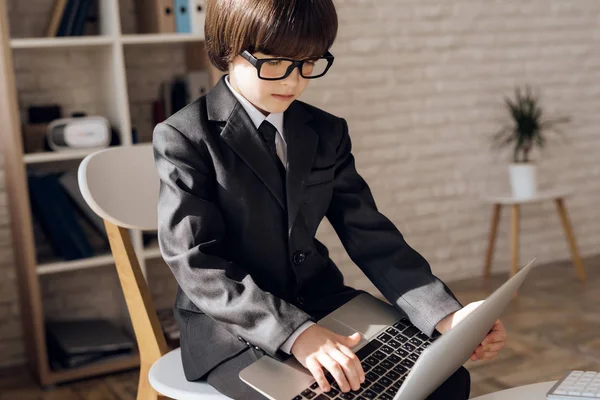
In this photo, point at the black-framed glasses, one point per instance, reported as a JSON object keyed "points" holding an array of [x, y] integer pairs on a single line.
{"points": [[273, 69]]}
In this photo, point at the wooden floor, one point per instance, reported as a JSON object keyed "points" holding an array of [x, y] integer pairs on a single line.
{"points": [[554, 326]]}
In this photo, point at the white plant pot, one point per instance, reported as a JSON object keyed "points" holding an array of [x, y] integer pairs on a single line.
{"points": [[523, 179]]}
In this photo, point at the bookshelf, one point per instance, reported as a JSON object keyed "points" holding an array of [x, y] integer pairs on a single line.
{"points": [[107, 50]]}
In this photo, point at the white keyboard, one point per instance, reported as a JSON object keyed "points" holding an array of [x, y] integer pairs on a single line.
{"points": [[576, 385]]}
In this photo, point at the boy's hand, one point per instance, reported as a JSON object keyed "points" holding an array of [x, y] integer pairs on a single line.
{"points": [[317, 348], [491, 344]]}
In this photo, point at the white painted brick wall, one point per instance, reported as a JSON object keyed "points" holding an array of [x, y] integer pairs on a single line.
{"points": [[421, 83]]}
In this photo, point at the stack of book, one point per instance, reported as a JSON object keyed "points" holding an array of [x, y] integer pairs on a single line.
{"points": [[69, 17], [74, 343], [59, 208]]}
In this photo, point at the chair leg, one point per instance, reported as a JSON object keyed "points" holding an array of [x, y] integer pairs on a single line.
{"points": [[514, 236], [492, 241], [562, 212], [145, 391]]}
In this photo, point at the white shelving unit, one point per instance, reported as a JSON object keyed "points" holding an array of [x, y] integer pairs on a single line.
{"points": [[113, 103]]}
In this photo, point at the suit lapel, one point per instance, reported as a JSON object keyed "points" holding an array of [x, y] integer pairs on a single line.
{"points": [[243, 137], [302, 143]]}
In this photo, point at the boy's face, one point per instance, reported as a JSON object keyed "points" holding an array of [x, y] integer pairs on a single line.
{"points": [[267, 96]]}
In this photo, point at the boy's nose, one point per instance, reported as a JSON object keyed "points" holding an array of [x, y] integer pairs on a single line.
{"points": [[293, 78]]}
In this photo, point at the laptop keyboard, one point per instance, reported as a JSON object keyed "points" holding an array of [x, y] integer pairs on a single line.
{"points": [[386, 360]]}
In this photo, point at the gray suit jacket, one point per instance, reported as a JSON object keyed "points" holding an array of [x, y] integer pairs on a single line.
{"points": [[242, 245]]}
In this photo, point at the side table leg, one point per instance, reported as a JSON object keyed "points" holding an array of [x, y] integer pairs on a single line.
{"points": [[492, 241], [562, 212], [514, 240]]}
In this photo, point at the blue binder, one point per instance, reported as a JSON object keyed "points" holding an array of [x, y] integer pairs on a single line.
{"points": [[182, 16]]}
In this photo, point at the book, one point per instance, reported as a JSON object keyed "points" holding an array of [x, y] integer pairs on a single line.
{"points": [[70, 184], [179, 94], [83, 336], [57, 13], [41, 207], [57, 219], [72, 231], [68, 18], [81, 16], [73, 343]]}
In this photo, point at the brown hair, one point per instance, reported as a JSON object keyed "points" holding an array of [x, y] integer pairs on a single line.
{"points": [[286, 28]]}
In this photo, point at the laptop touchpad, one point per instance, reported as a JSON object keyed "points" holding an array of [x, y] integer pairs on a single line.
{"points": [[341, 329], [366, 314]]}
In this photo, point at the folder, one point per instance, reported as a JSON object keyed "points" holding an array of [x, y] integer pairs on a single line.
{"points": [[182, 16], [197, 11], [155, 16]]}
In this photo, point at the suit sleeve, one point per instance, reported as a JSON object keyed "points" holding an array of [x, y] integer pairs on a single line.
{"points": [[191, 232], [377, 247]]}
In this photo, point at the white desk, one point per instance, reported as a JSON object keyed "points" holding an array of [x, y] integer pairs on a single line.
{"points": [[537, 391]]}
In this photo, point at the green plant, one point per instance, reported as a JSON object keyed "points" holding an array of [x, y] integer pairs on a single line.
{"points": [[528, 126]]}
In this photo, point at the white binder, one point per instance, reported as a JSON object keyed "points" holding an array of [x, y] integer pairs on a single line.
{"points": [[197, 10]]}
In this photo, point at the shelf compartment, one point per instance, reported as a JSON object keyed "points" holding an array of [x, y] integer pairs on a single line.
{"points": [[160, 38], [84, 263], [61, 42], [49, 156], [99, 368]]}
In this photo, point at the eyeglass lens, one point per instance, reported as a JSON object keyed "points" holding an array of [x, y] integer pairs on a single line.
{"points": [[278, 68]]}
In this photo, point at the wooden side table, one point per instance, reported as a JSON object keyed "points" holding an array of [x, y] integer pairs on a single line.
{"points": [[557, 196]]}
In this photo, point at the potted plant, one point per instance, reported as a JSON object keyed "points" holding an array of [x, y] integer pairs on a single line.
{"points": [[526, 131]]}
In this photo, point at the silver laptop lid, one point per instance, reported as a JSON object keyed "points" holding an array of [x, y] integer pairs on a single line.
{"points": [[450, 351]]}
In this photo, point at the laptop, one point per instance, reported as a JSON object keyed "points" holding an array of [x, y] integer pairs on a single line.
{"points": [[400, 361]]}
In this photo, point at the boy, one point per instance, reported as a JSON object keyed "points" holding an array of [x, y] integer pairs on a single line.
{"points": [[247, 174]]}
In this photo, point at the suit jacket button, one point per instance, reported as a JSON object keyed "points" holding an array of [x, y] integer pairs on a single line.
{"points": [[300, 300], [299, 258]]}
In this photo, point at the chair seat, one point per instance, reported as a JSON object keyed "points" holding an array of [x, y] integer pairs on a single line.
{"points": [[167, 378]]}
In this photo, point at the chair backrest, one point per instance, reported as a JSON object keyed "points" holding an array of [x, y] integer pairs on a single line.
{"points": [[121, 185]]}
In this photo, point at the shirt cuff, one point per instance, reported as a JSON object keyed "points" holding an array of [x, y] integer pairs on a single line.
{"points": [[286, 347]]}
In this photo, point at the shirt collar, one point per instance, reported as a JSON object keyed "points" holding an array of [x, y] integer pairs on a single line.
{"points": [[255, 115]]}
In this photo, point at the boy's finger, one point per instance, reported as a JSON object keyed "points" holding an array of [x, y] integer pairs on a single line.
{"points": [[494, 337], [488, 355], [336, 371], [357, 366], [348, 367], [494, 347], [350, 341], [317, 372]]}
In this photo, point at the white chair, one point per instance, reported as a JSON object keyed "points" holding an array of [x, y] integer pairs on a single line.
{"points": [[121, 185]]}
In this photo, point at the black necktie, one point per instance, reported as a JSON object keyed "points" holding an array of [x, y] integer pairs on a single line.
{"points": [[268, 132]]}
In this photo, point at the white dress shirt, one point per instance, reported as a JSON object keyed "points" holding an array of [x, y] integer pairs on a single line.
{"points": [[258, 117], [276, 119]]}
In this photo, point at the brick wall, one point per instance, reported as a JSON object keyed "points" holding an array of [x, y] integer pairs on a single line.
{"points": [[421, 84]]}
